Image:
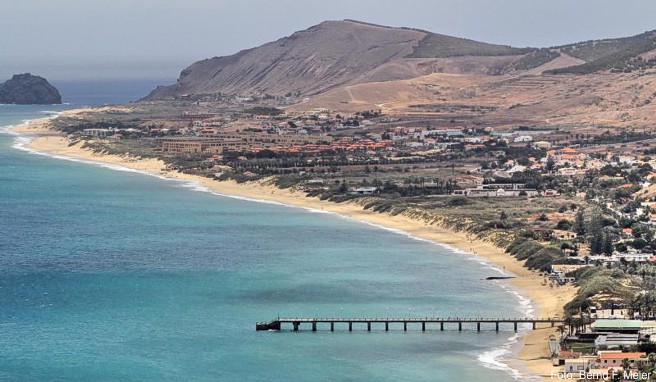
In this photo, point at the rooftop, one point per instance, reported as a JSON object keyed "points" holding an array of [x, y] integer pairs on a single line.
{"points": [[618, 355], [623, 324]]}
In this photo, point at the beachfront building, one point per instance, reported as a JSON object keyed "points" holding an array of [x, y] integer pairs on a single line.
{"points": [[365, 190], [197, 145], [98, 133], [220, 142], [619, 326], [497, 190], [616, 341], [576, 365], [614, 358]]}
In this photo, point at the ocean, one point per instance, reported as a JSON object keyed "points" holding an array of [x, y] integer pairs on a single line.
{"points": [[107, 274]]}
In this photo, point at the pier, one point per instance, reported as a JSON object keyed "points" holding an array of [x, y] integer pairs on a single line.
{"points": [[405, 324]]}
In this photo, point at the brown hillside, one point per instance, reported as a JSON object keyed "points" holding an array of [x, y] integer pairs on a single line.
{"points": [[336, 53]]}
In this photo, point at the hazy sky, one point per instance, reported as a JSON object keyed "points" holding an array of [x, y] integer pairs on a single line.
{"points": [[67, 39]]}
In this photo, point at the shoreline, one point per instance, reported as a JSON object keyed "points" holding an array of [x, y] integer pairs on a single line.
{"points": [[531, 345]]}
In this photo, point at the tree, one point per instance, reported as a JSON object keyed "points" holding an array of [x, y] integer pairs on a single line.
{"points": [[597, 243], [621, 247], [639, 243], [564, 224], [503, 216], [551, 165], [596, 234], [639, 230], [579, 223], [607, 245]]}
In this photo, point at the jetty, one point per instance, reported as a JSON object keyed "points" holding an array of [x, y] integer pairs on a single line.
{"points": [[387, 324]]}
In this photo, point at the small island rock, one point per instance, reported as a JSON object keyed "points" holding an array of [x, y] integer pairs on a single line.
{"points": [[27, 89]]}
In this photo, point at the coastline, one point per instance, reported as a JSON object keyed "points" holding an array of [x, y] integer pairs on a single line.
{"points": [[548, 302]]}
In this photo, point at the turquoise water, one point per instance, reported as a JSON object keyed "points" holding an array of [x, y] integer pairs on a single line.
{"points": [[117, 276]]}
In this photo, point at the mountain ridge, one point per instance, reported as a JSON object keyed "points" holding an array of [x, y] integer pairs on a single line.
{"points": [[334, 54]]}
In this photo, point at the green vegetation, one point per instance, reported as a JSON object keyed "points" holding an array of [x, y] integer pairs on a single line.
{"points": [[437, 45], [536, 58], [617, 55], [593, 50], [537, 256], [594, 281], [261, 110], [452, 107]]}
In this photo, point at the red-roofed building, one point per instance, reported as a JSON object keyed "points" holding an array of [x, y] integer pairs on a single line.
{"points": [[615, 358]]}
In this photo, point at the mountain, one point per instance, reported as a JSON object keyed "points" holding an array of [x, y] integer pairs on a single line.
{"points": [[353, 66], [336, 53], [26, 89]]}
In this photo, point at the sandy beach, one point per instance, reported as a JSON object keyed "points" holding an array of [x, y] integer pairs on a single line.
{"points": [[548, 302]]}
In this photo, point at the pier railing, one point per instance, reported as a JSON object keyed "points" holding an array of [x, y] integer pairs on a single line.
{"points": [[427, 323]]}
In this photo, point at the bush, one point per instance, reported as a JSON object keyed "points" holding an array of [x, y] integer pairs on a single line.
{"points": [[458, 201], [564, 224]]}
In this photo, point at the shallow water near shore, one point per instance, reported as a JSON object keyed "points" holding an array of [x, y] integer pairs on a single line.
{"points": [[108, 275]]}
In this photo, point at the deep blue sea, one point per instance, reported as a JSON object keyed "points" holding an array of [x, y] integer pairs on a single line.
{"points": [[109, 275]]}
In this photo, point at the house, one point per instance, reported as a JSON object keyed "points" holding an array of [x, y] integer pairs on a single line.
{"points": [[567, 171], [637, 257], [550, 192], [559, 273], [623, 159], [99, 133], [516, 168], [613, 358], [365, 190], [563, 234], [575, 365], [566, 268], [542, 145], [523, 138]]}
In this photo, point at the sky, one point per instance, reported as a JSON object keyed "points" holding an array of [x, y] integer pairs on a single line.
{"points": [[156, 39]]}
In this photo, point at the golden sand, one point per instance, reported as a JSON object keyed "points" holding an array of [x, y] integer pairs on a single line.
{"points": [[534, 355]]}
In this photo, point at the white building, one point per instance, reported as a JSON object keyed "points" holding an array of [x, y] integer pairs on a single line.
{"points": [[523, 138]]}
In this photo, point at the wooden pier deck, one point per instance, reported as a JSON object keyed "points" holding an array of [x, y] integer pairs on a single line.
{"points": [[387, 324]]}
